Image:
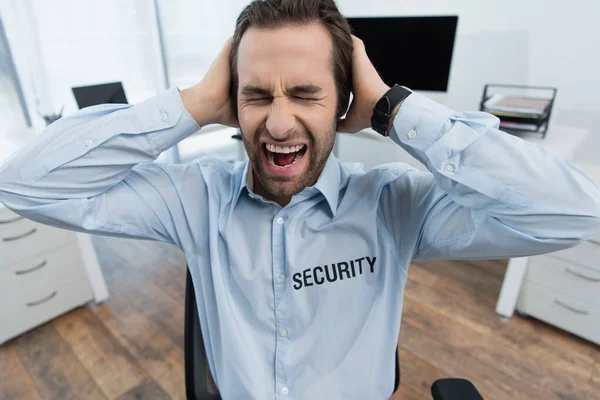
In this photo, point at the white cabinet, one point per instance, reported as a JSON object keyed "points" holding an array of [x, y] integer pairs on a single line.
{"points": [[24, 238], [571, 313], [44, 272], [563, 289], [565, 277]]}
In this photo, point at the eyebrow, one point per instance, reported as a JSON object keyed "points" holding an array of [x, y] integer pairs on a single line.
{"points": [[250, 90]]}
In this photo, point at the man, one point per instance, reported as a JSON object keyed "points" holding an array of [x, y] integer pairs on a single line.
{"points": [[298, 261]]}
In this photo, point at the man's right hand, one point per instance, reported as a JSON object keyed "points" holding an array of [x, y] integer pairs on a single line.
{"points": [[209, 101]]}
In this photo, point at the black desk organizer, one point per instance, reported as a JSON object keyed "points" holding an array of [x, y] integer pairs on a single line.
{"points": [[540, 121]]}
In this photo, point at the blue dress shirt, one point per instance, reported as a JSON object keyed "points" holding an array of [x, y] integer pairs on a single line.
{"points": [[304, 302]]}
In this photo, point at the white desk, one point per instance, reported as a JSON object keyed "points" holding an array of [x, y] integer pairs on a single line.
{"points": [[213, 140], [44, 271], [563, 142]]}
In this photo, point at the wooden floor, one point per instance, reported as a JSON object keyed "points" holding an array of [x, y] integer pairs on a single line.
{"points": [[131, 347]]}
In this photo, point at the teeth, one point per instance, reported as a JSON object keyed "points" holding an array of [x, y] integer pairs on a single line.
{"points": [[287, 149]]}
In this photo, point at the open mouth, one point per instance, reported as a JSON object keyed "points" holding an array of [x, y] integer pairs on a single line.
{"points": [[284, 156]]}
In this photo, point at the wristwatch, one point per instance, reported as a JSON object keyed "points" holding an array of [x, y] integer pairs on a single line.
{"points": [[384, 107]]}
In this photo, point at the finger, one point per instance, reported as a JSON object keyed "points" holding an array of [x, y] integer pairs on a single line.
{"points": [[225, 52], [227, 45], [356, 39], [357, 44]]}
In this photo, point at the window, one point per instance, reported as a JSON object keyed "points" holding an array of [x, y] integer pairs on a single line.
{"points": [[193, 33], [85, 42], [13, 110]]}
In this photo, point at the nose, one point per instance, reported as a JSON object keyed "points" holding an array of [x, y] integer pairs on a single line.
{"points": [[280, 121]]}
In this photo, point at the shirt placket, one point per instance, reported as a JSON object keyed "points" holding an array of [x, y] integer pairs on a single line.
{"points": [[281, 327]]}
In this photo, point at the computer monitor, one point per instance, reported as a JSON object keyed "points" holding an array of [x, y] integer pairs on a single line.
{"points": [[415, 52], [99, 94]]}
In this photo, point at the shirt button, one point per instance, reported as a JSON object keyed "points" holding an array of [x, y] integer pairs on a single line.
{"points": [[280, 221], [163, 116], [89, 143], [284, 390], [412, 134], [282, 277], [449, 168], [283, 332]]}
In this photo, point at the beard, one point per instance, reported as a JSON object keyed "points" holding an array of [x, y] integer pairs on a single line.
{"points": [[319, 149]]}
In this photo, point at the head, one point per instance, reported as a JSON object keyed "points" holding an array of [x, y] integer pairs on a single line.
{"points": [[291, 63]]}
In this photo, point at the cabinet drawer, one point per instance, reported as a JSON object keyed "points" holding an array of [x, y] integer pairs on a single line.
{"points": [[39, 273], [577, 281], [8, 218], [24, 315], [587, 253], [565, 312], [25, 238]]}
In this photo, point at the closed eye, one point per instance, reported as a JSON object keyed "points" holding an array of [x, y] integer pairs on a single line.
{"points": [[304, 98], [296, 97]]}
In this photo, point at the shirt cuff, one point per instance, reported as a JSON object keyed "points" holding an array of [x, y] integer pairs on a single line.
{"points": [[165, 112], [419, 122]]}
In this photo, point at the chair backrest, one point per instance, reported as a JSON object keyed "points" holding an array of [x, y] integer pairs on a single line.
{"points": [[199, 383]]}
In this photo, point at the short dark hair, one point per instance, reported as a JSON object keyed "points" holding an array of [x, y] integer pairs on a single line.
{"points": [[279, 13]]}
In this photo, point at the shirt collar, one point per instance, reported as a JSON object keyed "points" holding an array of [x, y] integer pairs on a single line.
{"points": [[328, 183]]}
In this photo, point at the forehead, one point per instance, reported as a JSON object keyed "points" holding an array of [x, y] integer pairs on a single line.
{"points": [[286, 55]]}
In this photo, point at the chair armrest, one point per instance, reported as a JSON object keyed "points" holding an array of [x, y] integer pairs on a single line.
{"points": [[454, 389]]}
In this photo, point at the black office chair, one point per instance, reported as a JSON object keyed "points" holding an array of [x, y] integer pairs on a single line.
{"points": [[199, 384]]}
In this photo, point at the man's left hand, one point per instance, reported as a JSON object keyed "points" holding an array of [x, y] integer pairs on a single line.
{"points": [[368, 88]]}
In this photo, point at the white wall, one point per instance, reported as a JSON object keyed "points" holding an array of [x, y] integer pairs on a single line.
{"points": [[534, 42]]}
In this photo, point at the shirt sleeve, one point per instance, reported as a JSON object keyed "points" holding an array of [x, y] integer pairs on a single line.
{"points": [[488, 194], [93, 171]]}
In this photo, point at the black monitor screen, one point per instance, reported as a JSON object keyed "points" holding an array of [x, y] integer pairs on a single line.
{"points": [[415, 52], [99, 94]]}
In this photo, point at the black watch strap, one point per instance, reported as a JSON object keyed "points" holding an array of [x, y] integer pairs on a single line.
{"points": [[384, 107]]}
